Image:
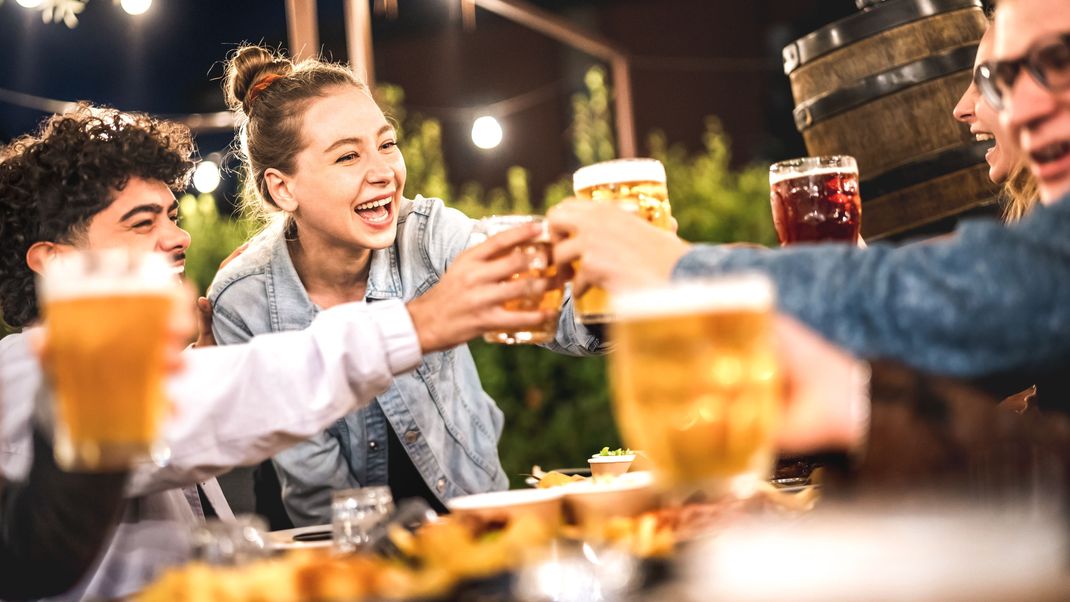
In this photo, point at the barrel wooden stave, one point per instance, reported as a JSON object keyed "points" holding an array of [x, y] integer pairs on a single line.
{"points": [[897, 46], [910, 208], [898, 128]]}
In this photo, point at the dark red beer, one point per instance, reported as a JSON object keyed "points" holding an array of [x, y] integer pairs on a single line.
{"points": [[823, 205]]}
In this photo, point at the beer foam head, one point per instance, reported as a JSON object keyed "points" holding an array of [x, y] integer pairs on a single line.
{"points": [[495, 224], [620, 170], [811, 166], [105, 272], [746, 292]]}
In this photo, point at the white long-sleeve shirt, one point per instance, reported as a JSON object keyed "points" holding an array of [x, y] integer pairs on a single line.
{"points": [[232, 406]]}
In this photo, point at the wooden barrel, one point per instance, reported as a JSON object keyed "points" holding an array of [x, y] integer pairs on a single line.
{"points": [[881, 85]]}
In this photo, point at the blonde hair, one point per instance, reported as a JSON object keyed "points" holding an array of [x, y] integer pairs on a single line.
{"points": [[1020, 193]]}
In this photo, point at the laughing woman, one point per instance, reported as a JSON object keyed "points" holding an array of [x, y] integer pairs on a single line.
{"points": [[321, 155]]}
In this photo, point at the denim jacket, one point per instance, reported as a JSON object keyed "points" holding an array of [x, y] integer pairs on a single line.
{"points": [[448, 425], [991, 298]]}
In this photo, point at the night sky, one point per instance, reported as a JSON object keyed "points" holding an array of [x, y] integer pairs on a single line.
{"points": [[168, 61]]}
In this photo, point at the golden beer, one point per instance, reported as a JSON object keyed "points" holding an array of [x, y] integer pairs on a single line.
{"points": [[538, 252], [695, 380], [636, 185], [107, 320]]}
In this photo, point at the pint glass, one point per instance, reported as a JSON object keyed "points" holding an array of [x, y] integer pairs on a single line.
{"points": [[816, 199], [539, 265], [695, 380], [637, 185], [107, 314]]}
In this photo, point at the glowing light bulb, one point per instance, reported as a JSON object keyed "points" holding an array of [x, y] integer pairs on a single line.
{"points": [[29, 3], [206, 176], [486, 132], [135, 7]]}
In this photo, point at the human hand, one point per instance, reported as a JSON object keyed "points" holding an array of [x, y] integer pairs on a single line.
{"points": [[616, 249], [205, 337], [468, 300], [827, 395]]}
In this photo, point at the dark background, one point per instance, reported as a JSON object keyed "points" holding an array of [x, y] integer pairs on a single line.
{"points": [[692, 58]]}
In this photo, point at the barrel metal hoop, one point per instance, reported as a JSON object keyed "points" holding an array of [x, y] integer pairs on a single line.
{"points": [[924, 169], [860, 26], [881, 84]]}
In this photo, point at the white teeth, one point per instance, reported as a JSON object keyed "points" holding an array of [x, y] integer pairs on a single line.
{"points": [[984, 137], [373, 204]]}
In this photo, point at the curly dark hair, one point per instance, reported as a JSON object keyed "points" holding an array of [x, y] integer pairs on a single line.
{"points": [[54, 182]]}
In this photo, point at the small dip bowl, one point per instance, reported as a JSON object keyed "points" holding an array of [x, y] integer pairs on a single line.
{"points": [[610, 465]]}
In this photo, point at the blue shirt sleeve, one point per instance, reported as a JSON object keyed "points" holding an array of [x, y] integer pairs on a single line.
{"points": [[987, 299]]}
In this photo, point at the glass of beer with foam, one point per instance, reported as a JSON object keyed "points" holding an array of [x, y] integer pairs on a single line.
{"points": [[695, 380], [815, 199], [107, 314], [538, 252], [636, 185]]}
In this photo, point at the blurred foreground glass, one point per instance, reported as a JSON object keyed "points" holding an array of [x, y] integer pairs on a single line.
{"points": [[636, 185], [696, 384], [234, 542], [355, 513], [816, 199], [540, 265], [108, 314]]}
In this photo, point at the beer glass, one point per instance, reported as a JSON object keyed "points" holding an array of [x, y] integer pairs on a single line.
{"points": [[355, 513], [539, 265], [816, 199], [637, 185], [695, 380], [107, 314]]}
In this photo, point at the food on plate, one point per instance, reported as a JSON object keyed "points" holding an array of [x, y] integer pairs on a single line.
{"points": [[605, 451], [439, 556], [556, 479]]}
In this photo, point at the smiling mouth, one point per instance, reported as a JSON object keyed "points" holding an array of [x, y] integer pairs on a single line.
{"points": [[1051, 153], [376, 212]]}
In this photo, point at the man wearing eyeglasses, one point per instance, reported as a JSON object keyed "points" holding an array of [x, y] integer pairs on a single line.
{"points": [[988, 301], [1029, 81]]}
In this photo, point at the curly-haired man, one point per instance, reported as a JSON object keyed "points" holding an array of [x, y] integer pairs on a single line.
{"points": [[102, 178]]}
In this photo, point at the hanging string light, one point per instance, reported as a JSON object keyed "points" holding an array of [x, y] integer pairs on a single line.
{"points": [[67, 11]]}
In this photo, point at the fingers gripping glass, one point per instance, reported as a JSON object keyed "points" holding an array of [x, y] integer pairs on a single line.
{"points": [[1048, 63]]}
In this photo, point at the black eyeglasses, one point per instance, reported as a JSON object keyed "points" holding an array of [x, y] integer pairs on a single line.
{"points": [[1048, 62]]}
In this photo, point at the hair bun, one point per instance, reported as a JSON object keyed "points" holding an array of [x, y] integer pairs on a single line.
{"points": [[246, 66]]}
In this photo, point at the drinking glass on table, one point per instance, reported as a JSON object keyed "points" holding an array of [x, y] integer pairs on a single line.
{"points": [[636, 185], [107, 314], [696, 383], [815, 199], [539, 265], [355, 513]]}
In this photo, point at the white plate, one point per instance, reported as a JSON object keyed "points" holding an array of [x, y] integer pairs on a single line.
{"points": [[284, 540]]}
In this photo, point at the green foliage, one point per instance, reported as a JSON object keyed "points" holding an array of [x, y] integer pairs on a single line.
{"points": [[710, 201], [556, 407], [214, 237], [592, 123]]}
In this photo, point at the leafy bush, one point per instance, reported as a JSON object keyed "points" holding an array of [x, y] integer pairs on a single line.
{"points": [[214, 236]]}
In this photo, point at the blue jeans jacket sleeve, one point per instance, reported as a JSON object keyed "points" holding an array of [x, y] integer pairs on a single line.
{"points": [[990, 298]]}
